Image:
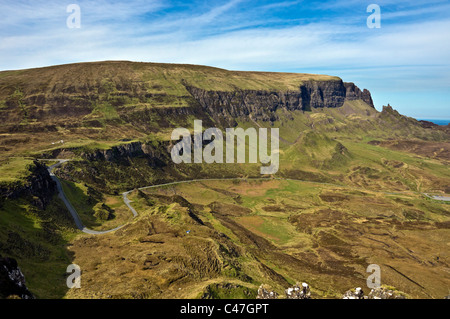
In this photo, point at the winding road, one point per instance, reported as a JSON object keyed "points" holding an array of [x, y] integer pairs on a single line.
{"points": [[127, 201], [69, 206]]}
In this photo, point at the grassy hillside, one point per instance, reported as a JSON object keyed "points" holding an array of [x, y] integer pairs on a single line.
{"points": [[38, 239], [116, 76], [14, 169], [259, 232], [356, 196]]}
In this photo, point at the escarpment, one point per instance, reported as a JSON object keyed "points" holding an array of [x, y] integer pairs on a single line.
{"points": [[156, 153], [262, 104], [352, 92], [38, 185], [94, 95]]}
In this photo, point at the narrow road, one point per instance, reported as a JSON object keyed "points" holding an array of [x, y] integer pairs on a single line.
{"points": [[127, 201], [69, 206], [438, 197]]}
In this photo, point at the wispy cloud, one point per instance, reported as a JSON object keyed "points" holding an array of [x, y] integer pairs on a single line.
{"points": [[283, 4]]}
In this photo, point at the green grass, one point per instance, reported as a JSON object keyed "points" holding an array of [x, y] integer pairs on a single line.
{"points": [[14, 169], [105, 110], [77, 196], [38, 241], [277, 228], [164, 79], [25, 218], [169, 78]]}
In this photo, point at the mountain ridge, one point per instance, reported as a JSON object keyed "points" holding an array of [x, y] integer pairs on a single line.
{"points": [[83, 88]]}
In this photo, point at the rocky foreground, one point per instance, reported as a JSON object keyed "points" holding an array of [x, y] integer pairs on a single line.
{"points": [[302, 291], [12, 280]]}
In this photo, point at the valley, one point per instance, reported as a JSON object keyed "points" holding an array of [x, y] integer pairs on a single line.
{"points": [[355, 186]]}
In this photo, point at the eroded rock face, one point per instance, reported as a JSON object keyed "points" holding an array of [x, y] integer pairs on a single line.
{"points": [[131, 150], [354, 93], [38, 185], [225, 107], [12, 280]]}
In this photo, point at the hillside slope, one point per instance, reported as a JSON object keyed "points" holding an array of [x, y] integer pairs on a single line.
{"points": [[350, 191], [104, 89]]}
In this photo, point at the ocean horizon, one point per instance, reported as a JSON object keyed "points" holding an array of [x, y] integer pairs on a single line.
{"points": [[437, 121]]}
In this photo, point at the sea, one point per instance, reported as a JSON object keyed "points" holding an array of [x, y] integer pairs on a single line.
{"points": [[438, 121]]}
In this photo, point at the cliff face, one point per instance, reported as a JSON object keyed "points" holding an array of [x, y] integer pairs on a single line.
{"points": [[262, 104], [151, 96], [156, 154], [38, 185], [354, 93]]}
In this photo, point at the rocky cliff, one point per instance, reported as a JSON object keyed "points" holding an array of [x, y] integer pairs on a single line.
{"points": [[354, 93], [225, 106], [38, 186], [157, 153], [120, 92]]}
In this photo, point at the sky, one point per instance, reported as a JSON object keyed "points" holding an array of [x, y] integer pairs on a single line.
{"points": [[404, 62]]}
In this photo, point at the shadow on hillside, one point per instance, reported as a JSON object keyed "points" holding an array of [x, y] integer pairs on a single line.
{"points": [[38, 239]]}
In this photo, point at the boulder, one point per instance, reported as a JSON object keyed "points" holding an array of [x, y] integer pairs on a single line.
{"points": [[266, 292], [376, 293], [385, 293], [12, 280], [357, 293], [298, 291]]}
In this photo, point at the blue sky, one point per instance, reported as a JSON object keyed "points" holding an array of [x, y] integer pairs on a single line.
{"points": [[406, 62]]}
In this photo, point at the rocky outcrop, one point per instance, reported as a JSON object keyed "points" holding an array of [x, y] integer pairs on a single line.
{"points": [[266, 292], [38, 185], [298, 291], [375, 293], [228, 291], [12, 280], [225, 106], [427, 124], [352, 92], [357, 293], [156, 153], [303, 292], [385, 293], [389, 110]]}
